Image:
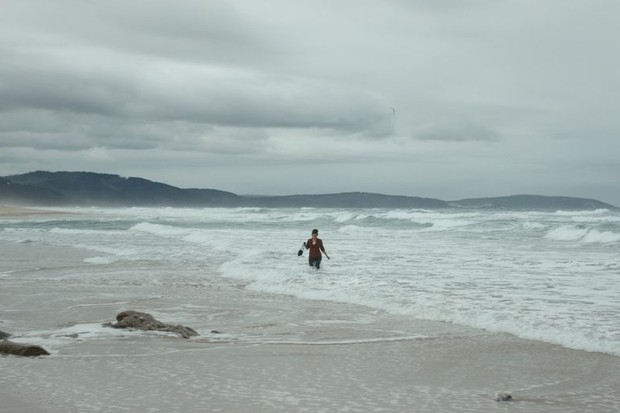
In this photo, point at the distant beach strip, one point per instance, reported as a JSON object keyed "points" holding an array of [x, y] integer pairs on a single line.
{"points": [[14, 211]]}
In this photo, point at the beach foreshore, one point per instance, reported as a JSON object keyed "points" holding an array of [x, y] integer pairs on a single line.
{"points": [[331, 370], [271, 353], [7, 211]]}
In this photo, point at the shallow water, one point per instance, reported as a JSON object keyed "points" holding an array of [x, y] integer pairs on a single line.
{"points": [[367, 332], [549, 276]]}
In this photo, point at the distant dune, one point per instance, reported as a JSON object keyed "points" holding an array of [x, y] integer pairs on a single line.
{"points": [[43, 188]]}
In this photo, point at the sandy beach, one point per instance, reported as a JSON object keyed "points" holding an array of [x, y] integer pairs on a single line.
{"points": [[325, 362], [7, 211], [272, 353]]}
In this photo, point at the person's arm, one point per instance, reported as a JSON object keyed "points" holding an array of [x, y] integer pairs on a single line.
{"points": [[324, 252]]}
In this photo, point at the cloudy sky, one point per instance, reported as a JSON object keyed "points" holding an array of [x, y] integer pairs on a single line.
{"points": [[436, 98]]}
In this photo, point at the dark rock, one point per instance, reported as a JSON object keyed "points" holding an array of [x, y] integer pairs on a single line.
{"points": [[503, 397], [4, 335], [145, 321], [28, 350]]}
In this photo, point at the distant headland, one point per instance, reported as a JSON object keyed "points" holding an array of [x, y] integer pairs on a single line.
{"points": [[42, 188]]}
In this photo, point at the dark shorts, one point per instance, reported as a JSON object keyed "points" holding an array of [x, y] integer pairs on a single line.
{"points": [[315, 262]]}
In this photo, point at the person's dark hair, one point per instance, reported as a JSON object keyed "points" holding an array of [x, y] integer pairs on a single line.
{"points": [[315, 231]]}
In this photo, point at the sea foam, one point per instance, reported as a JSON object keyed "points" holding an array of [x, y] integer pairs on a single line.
{"points": [[541, 275]]}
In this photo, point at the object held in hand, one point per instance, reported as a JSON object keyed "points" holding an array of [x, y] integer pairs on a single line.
{"points": [[301, 249]]}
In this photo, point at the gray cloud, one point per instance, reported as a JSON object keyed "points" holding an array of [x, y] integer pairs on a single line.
{"points": [[457, 132], [247, 96], [139, 64]]}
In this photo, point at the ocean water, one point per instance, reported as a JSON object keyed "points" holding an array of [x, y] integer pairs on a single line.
{"points": [[547, 276]]}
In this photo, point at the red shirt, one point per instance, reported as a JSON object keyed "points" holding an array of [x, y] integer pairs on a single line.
{"points": [[316, 248]]}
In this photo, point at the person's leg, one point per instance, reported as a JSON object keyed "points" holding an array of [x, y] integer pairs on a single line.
{"points": [[318, 262], [311, 261]]}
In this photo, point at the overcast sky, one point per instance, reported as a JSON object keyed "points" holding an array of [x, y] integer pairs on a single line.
{"points": [[435, 98]]}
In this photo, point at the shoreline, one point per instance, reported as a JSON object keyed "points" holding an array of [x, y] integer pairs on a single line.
{"points": [[9, 211], [328, 362], [275, 353], [279, 353]]}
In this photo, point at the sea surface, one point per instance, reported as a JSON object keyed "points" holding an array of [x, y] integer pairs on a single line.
{"points": [[547, 276]]}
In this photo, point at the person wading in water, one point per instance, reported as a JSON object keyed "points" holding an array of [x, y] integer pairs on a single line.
{"points": [[315, 245]]}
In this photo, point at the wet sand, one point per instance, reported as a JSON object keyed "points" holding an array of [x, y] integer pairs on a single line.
{"points": [[302, 356], [155, 374], [275, 353]]}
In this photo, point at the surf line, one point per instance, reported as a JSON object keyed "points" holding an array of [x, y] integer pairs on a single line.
{"points": [[344, 342]]}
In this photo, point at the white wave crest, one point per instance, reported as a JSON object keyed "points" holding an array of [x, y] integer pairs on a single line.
{"points": [[582, 234], [100, 260], [582, 213], [567, 233], [601, 236], [347, 229]]}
